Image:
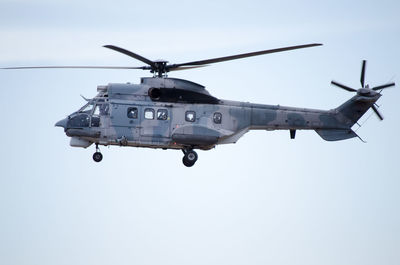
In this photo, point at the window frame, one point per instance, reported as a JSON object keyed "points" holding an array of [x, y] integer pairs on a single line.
{"points": [[148, 110], [190, 112], [129, 110], [166, 114], [215, 120]]}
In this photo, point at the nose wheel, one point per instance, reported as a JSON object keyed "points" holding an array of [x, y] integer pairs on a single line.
{"points": [[190, 157], [97, 156]]}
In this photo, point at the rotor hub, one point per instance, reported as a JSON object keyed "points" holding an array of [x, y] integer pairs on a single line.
{"points": [[160, 68], [365, 92]]}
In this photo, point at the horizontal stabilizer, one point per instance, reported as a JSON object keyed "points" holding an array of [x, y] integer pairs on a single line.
{"points": [[336, 134]]}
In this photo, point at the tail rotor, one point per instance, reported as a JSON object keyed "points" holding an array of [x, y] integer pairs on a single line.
{"points": [[365, 90]]}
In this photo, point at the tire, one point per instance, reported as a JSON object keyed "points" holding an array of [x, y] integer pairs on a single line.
{"points": [[97, 157], [187, 163], [190, 158]]}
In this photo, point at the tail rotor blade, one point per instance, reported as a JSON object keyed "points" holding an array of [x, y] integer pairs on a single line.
{"points": [[377, 112], [343, 86], [383, 86], [362, 79]]}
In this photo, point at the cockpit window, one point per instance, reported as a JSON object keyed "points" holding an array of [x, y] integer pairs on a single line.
{"points": [[96, 110], [104, 109], [87, 108], [95, 121], [79, 121], [100, 108]]}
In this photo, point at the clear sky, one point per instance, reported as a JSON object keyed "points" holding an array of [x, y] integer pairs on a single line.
{"points": [[265, 200]]}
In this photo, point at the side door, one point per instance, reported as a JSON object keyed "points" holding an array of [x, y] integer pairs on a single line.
{"points": [[125, 121], [155, 124]]}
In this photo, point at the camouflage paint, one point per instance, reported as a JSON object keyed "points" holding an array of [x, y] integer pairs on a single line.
{"points": [[116, 128]]}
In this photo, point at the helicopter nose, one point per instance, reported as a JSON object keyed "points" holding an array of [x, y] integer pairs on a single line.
{"points": [[62, 123]]}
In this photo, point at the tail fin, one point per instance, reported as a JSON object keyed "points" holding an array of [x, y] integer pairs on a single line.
{"points": [[352, 110], [347, 115]]}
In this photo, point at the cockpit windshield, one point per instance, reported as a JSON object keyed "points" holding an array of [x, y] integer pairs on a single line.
{"points": [[86, 108], [89, 114], [100, 108]]}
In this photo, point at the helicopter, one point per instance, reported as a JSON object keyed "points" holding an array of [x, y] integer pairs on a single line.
{"points": [[171, 113]]}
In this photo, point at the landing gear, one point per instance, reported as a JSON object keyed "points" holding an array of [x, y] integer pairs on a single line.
{"points": [[97, 156], [190, 157]]}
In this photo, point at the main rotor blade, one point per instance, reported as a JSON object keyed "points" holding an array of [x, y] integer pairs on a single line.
{"points": [[343, 86], [131, 54], [73, 67], [377, 112], [240, 56], [186, 68], [383, 86], [362, 79]]}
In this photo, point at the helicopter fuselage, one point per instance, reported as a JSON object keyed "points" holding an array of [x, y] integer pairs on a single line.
{"points": [[134, 115]]}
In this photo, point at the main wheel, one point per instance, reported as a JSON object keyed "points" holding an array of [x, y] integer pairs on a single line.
{"points": [[186, 163], [97, 157], [190, 158]]}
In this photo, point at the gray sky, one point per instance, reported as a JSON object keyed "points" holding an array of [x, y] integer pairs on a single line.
{"points": [[266, 199]]}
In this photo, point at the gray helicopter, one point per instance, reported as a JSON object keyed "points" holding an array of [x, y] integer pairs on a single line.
{"points": [[171, 113]]}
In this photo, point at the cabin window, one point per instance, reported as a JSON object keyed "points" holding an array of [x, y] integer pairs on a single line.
{"points": [[190, 116], [132, 113], [217, 118], [149, 114], [162, 114]]}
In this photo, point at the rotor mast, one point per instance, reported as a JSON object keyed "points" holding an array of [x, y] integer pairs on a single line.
{"points": [[160, 68]]}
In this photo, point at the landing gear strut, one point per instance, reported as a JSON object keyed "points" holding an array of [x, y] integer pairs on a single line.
{"points": [[190, 157], [97, 156]]}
